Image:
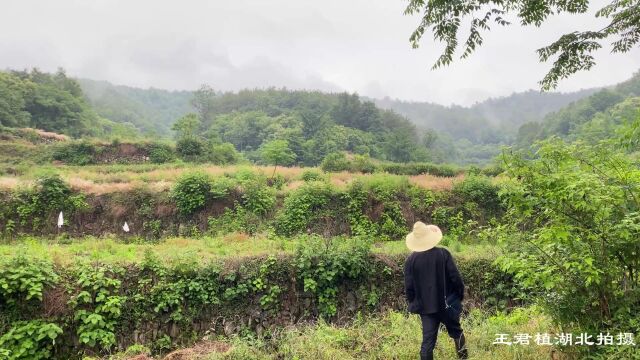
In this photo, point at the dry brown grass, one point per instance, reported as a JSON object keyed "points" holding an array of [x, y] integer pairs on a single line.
{"points": [[49, 135], [293, 185], [9, 183], [342, 179], [170, 174], [199, 351], [235, 237], [107, 179], [90, 187], [434, 182]]}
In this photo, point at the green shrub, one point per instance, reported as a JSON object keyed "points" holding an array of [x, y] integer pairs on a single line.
{"points": [[52, 191], [75, 152], [29, 340], [35, 206], [421, 198], [233, 220], [358, 198], [311, 175], [190, 149], [420, 168], [191, 192], [302, 206], [573, 212], [245, 174], [322, 268], [221, 187], [96, 305], [480, 190], [258, 197], [160, 153], [277, 181], [449, 219], [492, 170], [23, 279], [224, 154], [363, 164], [334, 162]]}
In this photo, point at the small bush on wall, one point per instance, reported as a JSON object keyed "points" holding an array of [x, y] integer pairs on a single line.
{"points": [[191, 192]]}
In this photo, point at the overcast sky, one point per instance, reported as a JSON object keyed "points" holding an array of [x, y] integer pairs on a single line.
{"points": [[332, 45]]}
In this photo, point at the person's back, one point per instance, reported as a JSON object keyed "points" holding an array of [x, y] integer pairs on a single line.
{"points": [[434, 288]]}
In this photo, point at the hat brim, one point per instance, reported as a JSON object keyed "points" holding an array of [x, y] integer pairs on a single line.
{"points": [[423, 243]]}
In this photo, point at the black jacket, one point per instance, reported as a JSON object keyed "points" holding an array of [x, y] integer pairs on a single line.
{"points": [[424, 280]]}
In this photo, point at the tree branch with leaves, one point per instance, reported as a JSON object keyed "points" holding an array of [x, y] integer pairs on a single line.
{"points": [[573, 52]]}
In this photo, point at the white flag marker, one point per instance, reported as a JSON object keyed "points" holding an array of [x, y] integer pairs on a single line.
{"points": [[60, 220], [125, 227]]}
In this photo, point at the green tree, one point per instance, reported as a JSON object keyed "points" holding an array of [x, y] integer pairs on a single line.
{"points": [[429, 138], [202, 102], [573, 230], [187, 127], [572, 52], [224, 154], [276, 153], [12, 103]]}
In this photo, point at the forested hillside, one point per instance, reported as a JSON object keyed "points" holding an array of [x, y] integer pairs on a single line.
{"points": [[53, 102], [152, 111], [594, 117], [310, 125]]}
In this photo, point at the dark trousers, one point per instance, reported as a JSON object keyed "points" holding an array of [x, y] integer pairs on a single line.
{"points": [[430, 325]]}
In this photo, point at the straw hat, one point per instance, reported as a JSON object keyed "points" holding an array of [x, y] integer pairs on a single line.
{"points": [[423, 237]]}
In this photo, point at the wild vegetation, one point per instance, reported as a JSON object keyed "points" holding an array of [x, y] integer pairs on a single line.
{"points": [[268, 224]]}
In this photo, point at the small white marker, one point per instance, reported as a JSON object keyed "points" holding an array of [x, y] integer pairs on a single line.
{"points": [[60, 220], [125, 227]]}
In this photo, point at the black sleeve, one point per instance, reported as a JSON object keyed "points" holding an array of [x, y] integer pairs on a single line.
{"points": [[408, 281], [454, 276]]}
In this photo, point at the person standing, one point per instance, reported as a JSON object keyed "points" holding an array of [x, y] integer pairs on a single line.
{"points": [[434, 289]]}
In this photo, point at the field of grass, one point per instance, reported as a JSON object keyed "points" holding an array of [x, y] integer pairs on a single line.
{"points": [[381, 334], [100, 179], [66, 251], [392, 335], [121, 250]]}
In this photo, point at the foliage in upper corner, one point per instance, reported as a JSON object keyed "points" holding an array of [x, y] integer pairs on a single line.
{"points": [[572, 51]]}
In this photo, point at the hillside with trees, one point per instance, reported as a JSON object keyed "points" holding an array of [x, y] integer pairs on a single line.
{"points": [[312, 123], [53, 102], [601, 113], [227, 126], [151, 111]]}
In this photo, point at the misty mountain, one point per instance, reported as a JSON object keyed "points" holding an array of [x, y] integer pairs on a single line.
{"points": [[152, 111], [495, 120], [598, 113]]}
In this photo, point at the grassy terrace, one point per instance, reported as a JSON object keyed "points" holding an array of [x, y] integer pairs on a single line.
{"points": [[392, 335], [113, 250], [389, 334], [100, 179]]}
